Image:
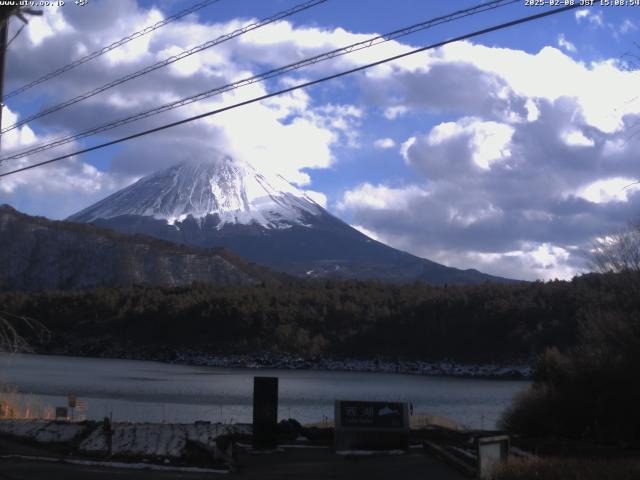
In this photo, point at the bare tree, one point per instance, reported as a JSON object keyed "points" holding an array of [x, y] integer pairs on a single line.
{"points": [[619, 252], [11, 337]]}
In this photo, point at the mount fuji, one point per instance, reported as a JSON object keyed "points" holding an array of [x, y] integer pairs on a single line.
{"points": [[225, 203]]}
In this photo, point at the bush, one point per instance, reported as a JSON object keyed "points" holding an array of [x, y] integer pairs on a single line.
{"points": [[590, 391], [530, 412]]}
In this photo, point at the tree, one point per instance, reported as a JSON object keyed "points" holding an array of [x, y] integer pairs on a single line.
{"points": [[12, 330], [591, 390], [619, 252]]}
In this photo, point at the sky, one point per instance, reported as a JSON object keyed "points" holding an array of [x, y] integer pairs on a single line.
{"points": [[509, 152]]}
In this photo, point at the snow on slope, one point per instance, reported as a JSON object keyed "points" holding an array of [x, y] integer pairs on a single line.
{"points": [[234, 191]]}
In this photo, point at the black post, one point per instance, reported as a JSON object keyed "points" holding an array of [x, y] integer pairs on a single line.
{"points": [[4, 32], [265, 412], [108, 433]]}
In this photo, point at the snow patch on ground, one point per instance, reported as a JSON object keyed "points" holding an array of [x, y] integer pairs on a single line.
{"points": [[157, 439], [42, 431]]}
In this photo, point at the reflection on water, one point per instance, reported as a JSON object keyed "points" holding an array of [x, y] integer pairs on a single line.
{"points": [[152, 391]]}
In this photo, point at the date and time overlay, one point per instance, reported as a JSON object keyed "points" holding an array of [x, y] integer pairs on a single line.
{"points": [[583, 3], [526, 3]]}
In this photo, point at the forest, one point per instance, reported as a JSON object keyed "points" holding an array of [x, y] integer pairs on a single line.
{"points": [[312, 318]]}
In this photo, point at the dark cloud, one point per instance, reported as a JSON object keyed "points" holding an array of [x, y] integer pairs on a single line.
{"points": [[534, 196], [445, 87]]}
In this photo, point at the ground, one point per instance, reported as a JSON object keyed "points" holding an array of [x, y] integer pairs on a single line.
{"points": [[292, 463]]}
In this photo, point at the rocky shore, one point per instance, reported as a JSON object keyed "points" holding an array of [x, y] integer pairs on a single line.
{"points": [[516, 369], [288, 362]]}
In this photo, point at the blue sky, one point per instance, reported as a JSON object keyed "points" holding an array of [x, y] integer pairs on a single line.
{"points": [[508, 153]]}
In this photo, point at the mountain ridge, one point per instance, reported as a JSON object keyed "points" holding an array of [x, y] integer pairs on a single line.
{"points": [[39, 254], [263, 219]]}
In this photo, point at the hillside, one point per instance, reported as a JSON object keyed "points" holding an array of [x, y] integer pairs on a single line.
{"points": [[41, 254]]}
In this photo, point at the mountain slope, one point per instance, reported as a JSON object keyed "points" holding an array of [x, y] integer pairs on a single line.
{"points": [[40, 254], [266, 220], [233, 192]]}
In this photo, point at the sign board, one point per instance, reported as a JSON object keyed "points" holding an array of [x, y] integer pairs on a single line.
{"points": [[62, 412], [371, 425], [491, 451], [265, 412], [371, 414]]}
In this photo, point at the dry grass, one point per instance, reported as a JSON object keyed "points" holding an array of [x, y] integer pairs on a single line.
{"points": [[416, 421], [424, 420], [14, 405], [568, 469]]}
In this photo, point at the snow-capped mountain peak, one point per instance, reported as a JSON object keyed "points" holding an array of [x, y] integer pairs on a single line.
{"points": [[234, 192]]}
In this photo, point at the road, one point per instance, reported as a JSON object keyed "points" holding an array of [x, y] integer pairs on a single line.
{"points": [[308, 465], [293, 463]]}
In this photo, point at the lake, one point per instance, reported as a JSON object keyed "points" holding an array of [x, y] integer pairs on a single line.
{"points": [[132, 390]]}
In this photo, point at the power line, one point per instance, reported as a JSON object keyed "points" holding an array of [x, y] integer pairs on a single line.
{"points": [[110, 47], [168, 61], [299, 86], [264, 76]]}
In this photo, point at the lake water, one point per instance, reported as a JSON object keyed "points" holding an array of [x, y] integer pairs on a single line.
{"points": [[151, 391]]}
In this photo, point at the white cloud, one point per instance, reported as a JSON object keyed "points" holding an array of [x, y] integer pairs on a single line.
{"points": [[535, 261], [273, 146], [406, 145], [57, 189], [530, 261], [139, 48], [566, 44], [44, 27], [532, 110], [381, 197], [477, 147], [571, 78], [615, 189], [392, 113], [575, 138], [595, 19], [18, 137], [581, 14], [384, 143], [627, 26], [367, 232], [318, 197]]}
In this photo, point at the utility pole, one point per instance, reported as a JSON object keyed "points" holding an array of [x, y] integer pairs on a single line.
{"points": [[4, 32], [5, 15]]}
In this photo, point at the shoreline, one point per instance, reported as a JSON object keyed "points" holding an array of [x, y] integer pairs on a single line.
{"points": [[444, 368], [514, 370]]}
